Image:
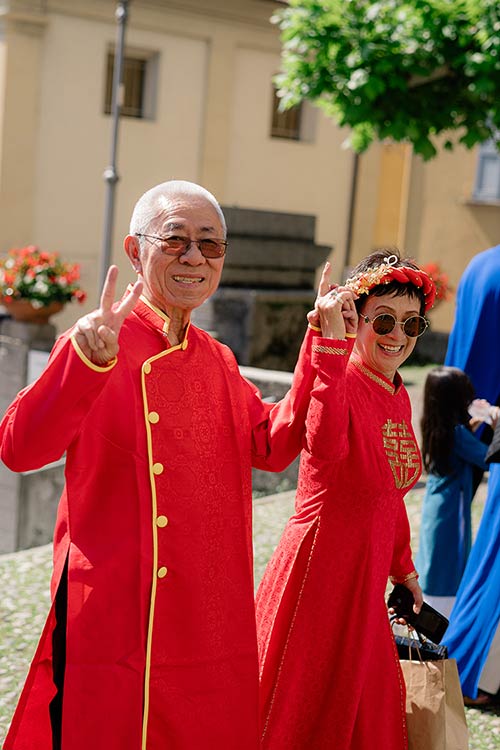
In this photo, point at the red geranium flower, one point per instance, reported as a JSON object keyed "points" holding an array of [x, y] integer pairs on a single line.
{"points": [[444, 289], [38, 276]]}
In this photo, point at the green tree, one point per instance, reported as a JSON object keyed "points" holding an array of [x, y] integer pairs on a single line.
{"points": [[408, 70]]}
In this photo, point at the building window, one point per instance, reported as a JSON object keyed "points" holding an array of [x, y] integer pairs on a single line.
{"points": [[285, 124], [487, 186], [138, 90]]}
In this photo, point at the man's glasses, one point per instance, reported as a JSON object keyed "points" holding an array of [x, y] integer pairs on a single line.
{"points": [[209, 248], [413, 327]]}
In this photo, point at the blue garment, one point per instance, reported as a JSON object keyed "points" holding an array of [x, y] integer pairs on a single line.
{"points": [[475, 616], [474, 346], [445, 528], [474, 342]]}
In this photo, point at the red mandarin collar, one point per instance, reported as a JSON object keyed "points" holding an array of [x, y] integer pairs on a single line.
{"points": [[152, 316], [377, 377]]}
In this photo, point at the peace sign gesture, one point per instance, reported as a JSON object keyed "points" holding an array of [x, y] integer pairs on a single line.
{"points": [[97, 333], [334, 309]]}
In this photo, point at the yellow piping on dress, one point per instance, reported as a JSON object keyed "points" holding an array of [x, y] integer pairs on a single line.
{"points": [[285, 648], [154, 506]]}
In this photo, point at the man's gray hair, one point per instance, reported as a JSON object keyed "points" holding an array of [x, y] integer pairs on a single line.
{"points": [[149, 205]]}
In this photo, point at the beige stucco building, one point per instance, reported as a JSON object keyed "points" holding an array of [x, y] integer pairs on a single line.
{"points": [[204, 112]]}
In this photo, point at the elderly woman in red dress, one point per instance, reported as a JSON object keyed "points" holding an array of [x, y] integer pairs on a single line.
{"points": [[329, 670]]}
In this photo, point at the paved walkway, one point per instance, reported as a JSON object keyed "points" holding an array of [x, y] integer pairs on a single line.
{"points": [[24, 602], [270, 516], [24, 581]]}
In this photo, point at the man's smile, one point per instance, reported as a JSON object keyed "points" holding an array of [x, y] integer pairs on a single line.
{"points": [[188, 279]]}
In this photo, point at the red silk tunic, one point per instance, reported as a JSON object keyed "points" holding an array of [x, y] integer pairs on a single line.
{"points": [[330, 675], [155, 525]]}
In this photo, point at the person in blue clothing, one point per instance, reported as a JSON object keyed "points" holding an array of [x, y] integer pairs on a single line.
{"points": [[449, 451], [473, 636], [474, 340]]}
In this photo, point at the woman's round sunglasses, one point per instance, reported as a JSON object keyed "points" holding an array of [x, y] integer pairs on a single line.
{"points": [[385, 323]]}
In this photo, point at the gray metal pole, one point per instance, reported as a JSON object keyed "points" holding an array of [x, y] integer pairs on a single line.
{"points": [[110, 174]]}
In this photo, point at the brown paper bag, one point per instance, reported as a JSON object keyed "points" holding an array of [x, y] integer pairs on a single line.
{"points": [[435, 713]]}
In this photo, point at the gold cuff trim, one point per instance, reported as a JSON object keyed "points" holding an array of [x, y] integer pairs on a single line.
{"points": [[88, 362], [351, 335], [410, 577], [328, 349], [314, 328]]}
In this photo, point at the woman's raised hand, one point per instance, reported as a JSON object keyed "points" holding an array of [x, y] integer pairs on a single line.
{"points": [[97, 332], [334, 309]]}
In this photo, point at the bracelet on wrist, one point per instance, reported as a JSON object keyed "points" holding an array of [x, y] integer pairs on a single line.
{"points": [[410, 577]]}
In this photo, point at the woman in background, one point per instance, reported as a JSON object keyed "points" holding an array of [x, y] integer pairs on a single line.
{"points": [[450, 450]]}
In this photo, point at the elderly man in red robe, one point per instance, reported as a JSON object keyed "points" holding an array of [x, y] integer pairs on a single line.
{"points": [[151, 641]]}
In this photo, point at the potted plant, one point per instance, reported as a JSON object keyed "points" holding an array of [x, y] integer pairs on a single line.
{"points": [[35, 284]]}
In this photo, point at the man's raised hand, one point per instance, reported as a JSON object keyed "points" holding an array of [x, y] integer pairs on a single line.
{"points": [[97, 332]]}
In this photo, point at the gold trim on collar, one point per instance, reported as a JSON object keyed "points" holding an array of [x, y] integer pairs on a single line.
{"points": [[166, 326], [159, 312], [376, 378]]}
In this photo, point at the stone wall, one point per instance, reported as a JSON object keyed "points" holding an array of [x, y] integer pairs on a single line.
{"points": [[267, 287], [28, 500], [273, 385], [430, 349]]}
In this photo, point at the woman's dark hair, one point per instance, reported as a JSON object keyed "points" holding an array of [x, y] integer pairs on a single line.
{"points": [[395, 288], [448, 393]]}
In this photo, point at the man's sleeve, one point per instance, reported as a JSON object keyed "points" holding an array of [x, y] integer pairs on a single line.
{"points": [[47, 415]]}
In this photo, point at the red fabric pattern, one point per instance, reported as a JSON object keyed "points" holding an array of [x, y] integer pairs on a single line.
{"points": [[153, 662], [329, 670]]}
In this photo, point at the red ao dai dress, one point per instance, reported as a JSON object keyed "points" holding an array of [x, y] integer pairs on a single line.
{"points": [[155, 530], [330, 676]]}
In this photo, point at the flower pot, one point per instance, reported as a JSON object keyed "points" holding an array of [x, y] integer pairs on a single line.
{"points": [[23, 310]]}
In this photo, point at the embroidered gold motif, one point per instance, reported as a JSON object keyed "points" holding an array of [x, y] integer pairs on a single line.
{"points": [[328, 349], [372, 376], [402, 451]]}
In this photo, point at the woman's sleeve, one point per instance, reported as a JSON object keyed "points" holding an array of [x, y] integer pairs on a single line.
{"points": [[402, 567], [318, 390], [469, 448], [328, 414], [46, 416]]}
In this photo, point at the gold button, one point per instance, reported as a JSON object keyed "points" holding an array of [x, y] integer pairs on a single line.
{"points": [[154, 417], [158, 468], [147, 368], [161, 521], [162, 572]]}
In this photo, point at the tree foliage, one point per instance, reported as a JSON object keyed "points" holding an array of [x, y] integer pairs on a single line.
{"points": [[408, 70]]}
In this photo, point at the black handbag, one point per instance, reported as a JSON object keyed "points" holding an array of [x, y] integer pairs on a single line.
{"points": [[423, 649], [416, 646]]}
